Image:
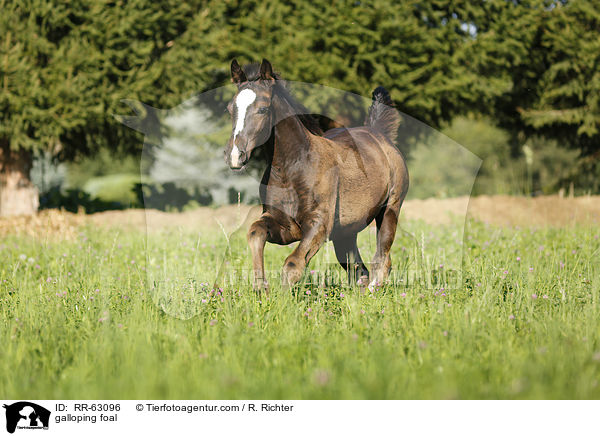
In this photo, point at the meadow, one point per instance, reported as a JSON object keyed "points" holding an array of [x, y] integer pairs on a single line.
{"points": [[99, 312]]}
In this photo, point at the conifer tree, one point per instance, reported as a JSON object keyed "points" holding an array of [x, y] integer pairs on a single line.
{"points": [[64, 67], [530, 65]]}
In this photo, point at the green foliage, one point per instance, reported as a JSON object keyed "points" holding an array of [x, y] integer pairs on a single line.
{"points": [[531, 66], [170, 197], [409, 47], [440, 167], [548, 169], [65, 67], [503, 172], [569, 87], [491, 144], [115, 187], [538, 59], [528, 64], [75, 200], [104, 163], [584, 177]]}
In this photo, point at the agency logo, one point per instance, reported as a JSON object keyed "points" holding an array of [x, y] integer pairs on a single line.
{"points": [[26, 415]]}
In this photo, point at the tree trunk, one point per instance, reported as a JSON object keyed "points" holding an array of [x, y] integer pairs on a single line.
{"points": [[18, 196]]}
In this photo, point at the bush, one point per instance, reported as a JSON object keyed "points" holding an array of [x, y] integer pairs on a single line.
{"points": [[75, 200], [117, 188], [541, 166], [169, 197]]}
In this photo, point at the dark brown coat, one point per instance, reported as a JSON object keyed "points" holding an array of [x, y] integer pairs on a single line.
{"points": [[317, 185]]}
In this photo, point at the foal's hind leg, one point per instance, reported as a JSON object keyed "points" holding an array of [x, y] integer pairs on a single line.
{"points": [[348, 256], [387, 221]]}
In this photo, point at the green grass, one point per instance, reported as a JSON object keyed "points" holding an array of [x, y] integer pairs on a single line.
{"points": [[80, 319]]}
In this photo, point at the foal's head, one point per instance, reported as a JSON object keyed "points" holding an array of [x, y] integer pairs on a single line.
{"points": [[251, 113]]}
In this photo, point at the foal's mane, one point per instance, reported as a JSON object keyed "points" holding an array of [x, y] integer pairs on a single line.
{"points": [[281, 89]]}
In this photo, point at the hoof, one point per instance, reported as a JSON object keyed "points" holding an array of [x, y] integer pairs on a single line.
{"points": [[363, 281], [373, 285], [260, 286], [291, 275], [290, 281]]}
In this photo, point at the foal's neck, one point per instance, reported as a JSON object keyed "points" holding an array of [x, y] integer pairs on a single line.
{"points": [[291, 137]]}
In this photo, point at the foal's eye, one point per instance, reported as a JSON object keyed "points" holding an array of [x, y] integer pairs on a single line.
{"points": [[263, 110]]}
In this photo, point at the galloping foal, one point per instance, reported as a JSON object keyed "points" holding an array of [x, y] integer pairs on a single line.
{"points": [[317, 185]]}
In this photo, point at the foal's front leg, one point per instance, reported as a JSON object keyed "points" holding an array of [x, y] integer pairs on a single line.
{"points": [[314, 235], [268, 228], [257, 237]]}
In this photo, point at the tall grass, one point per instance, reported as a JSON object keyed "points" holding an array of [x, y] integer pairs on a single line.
{"points": [[80, 318]]}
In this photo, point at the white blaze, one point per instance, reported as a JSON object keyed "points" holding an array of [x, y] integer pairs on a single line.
{"points": [[243, 100], [235, 156]]}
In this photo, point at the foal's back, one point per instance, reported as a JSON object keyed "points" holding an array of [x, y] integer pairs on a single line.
{"points": [[371, 170]]}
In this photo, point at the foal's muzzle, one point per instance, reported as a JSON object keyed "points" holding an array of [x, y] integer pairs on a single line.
{"points": [[237, 158]]}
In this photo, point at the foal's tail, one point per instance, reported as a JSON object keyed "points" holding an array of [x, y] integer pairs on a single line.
{"points": [[382, 115]]}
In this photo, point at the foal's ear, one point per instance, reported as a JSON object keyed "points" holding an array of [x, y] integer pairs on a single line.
{"points": [[266, 70], [237, 74]]}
